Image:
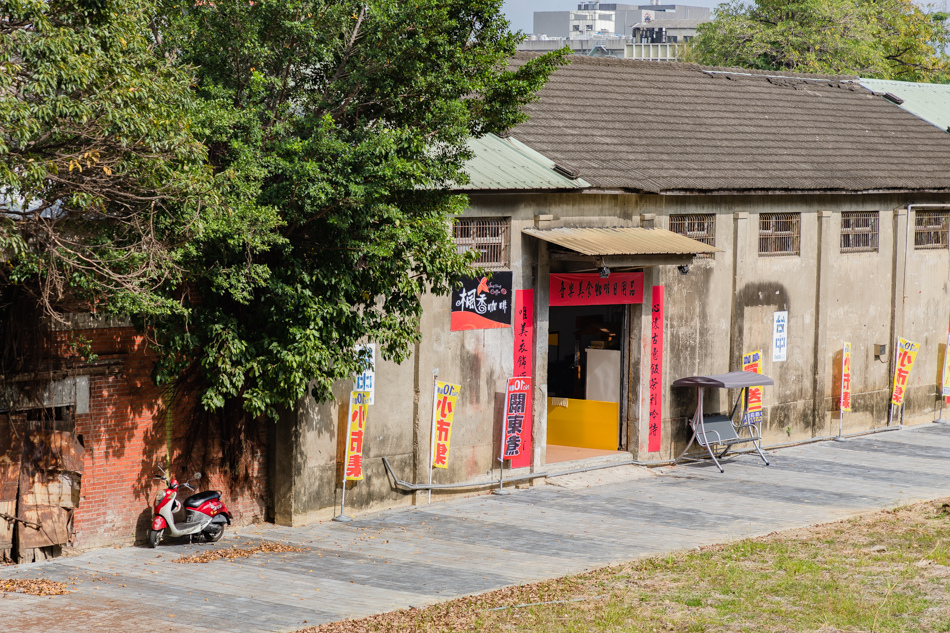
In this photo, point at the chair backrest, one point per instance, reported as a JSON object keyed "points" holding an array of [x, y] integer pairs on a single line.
{"points": [[720, 424]]}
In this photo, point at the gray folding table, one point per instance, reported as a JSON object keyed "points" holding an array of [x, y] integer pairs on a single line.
{"points": [[720, 430]]}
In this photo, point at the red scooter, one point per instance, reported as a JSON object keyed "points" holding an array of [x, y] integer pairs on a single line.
{"points": [[205, 513]]}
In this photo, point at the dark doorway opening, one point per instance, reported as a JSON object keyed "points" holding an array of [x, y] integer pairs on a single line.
{"points": [[585, 381]]}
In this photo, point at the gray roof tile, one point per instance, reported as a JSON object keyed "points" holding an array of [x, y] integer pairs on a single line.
{"points": [[670, 127]]}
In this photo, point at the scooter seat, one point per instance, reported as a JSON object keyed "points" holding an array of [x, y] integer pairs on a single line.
{"points": [[198, 498]]}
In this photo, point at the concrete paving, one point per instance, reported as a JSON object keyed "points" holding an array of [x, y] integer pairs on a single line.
{"points": [[417, 556]]}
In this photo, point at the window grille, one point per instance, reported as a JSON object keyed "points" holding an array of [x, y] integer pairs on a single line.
{"points": [[860, 231], [931, 229], [780, 234], [487, 236], [700, 227]]}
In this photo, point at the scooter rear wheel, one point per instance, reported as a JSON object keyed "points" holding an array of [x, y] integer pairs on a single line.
{"points": [[154, 536], [212, 535]]}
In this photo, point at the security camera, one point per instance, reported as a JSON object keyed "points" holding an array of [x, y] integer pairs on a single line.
{"points": [[683, 269]]}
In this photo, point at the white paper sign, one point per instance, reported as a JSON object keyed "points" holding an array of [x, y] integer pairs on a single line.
{"points": [[779, 337], [367, 380]]}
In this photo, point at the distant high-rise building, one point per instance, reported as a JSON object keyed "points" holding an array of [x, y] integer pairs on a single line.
{"points": [[601, 19], [641, 31]]}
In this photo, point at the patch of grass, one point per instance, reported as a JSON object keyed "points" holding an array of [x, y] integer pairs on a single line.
{"points": [[888, 571]]}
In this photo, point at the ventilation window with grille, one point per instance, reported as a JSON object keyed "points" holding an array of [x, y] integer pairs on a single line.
{"points": [[700, 227], [860, 231], [487, 236], [780, 234], [931, 229]]}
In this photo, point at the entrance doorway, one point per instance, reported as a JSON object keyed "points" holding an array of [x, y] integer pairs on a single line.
{"points": [[585, 381]]}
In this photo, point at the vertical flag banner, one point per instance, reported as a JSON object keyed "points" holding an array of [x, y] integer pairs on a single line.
{"points": [[656, 371], [356, 426], [445, 412], [846, 377], [779, 337], [517, 397], [753, 362], [524, 366], [906, 355]]}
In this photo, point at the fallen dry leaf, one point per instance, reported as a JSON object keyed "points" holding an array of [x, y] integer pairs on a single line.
{"points": [[230, 553], [40, 587]]}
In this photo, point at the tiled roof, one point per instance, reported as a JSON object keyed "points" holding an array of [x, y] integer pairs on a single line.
{"points": [[502, 164], [931, 102], [670, 127]]}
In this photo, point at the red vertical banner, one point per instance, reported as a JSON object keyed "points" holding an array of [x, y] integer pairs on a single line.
{"points": [[656, 371], [524, 365]]}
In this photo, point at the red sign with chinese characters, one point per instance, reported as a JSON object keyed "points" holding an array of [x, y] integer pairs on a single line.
{"points": [[517, 418], [846, 377], [589, 289], [524, 366], [656, 371]]}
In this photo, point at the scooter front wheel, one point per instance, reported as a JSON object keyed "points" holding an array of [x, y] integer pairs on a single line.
{"points": [[213, 535], [154, 536]]}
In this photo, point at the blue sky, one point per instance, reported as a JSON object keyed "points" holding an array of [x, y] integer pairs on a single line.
{"points": [[521, 12]]}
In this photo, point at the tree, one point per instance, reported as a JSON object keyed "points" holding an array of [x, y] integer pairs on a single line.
{"points": [[335, 129], [887, 39], [101, 179]]}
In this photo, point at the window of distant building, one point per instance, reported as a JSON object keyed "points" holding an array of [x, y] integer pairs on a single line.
{"points": [[698, 226], [780, 234], [931, 229], [488, 236], [859, 231]]}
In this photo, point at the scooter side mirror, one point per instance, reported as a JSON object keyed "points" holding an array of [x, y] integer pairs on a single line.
{"points": [[197, 476]]}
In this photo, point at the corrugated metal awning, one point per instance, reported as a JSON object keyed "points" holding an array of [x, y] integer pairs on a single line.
{"points": [[630, 241]]}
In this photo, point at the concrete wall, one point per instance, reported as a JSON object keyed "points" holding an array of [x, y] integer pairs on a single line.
{"points": [[723, 307]]}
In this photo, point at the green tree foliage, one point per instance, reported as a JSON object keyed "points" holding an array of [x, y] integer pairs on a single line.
{"points": [[100, 177], [887, 39], [334, 128]]}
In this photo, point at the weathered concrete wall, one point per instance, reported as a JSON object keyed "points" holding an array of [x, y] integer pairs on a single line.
{"points": [[723, 307]]}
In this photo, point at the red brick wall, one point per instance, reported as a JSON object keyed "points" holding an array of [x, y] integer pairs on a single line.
{"points": [[124, 437]]}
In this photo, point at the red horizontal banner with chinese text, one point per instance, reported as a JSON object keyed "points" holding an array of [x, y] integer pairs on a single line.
{"points": [[590, 289]]}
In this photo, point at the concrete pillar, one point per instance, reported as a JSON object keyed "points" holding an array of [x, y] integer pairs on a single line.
{"points": [[897, 290], [542, 289], [742, 253], [823, 349]]}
